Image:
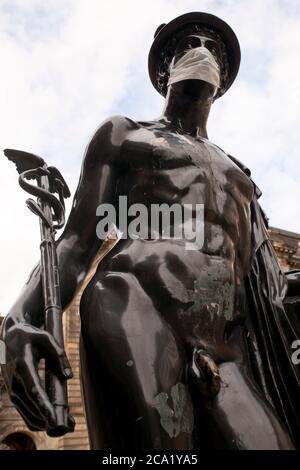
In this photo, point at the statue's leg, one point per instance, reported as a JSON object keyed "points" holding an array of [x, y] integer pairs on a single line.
{"points": [[133, 369], [239, 417]]}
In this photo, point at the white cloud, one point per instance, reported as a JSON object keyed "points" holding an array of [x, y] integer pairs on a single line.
{"points": [[68, 64], [261, 118]]}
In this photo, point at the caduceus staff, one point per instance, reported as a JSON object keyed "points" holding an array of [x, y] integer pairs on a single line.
{"points": [[50, 209]]}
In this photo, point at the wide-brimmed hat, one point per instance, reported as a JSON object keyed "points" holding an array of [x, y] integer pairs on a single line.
{"points": [[165, 31]]}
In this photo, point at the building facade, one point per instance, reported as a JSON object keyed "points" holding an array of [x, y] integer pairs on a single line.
{"points": [[14, 433], [287, 248]]}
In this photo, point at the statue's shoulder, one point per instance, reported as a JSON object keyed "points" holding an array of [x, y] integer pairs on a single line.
{"points": [[112, 130], [106, 141], [114, 127], [119, 126]]}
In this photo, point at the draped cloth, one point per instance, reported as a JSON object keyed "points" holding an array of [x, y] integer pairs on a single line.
{"points": [[273, 324]]}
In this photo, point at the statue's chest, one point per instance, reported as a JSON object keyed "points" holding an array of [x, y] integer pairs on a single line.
{"points": [[184, 160]]}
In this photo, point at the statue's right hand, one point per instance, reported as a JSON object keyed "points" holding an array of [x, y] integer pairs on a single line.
{"points": [[25, 346]]}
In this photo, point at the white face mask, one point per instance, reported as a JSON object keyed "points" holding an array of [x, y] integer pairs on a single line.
{"points": [[196, 64]]}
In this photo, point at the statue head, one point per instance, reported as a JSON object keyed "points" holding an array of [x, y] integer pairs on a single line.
{"points": [[190, 31]]}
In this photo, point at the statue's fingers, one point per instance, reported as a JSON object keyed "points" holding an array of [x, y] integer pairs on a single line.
{"points": [[38, 396], [56, 356], [37, 399], [19, 393], [31, 420]]}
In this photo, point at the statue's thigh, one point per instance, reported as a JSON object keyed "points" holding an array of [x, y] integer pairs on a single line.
{"points": [[240, 418], [134, 368]]}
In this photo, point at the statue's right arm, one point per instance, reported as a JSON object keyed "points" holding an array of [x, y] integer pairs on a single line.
{"points": [[25, 341]]}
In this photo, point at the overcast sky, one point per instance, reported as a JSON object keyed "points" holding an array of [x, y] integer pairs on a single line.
{"points": [[66, 65]]}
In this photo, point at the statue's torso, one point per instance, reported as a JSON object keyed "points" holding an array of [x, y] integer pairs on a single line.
{"points": [[202, 289]]}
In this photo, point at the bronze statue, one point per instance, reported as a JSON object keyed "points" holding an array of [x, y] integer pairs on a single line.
{"points": [[180, 349]]}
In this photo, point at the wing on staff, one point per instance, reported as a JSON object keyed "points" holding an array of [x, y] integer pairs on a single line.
{"points": [[58, 182], [23, 160]]}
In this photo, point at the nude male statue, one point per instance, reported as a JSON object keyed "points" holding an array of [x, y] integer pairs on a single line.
{"points": [[164, 358]]}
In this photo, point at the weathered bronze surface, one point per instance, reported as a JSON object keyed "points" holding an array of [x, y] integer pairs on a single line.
{"points": [[180, 349]]}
